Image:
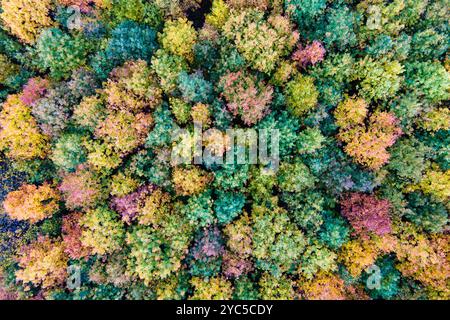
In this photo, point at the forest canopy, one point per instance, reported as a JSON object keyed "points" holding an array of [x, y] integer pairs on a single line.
{"points": [[98, 97]]}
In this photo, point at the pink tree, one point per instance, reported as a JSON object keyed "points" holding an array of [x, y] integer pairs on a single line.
{"points": [[309, 55], [367, 214]]}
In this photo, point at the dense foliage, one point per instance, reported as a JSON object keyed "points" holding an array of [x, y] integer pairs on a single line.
{"points": [[97, 96]]}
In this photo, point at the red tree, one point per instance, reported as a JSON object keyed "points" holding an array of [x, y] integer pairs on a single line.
{"points": [[367, 214]]}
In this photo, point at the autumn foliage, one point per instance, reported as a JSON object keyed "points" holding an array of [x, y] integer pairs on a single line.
{"points": [[32, 203], [20, 136], [43, 263], [26, 18], [224, 149], [367, 214]]}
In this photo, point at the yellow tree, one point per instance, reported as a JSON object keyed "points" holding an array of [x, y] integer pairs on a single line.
{"points": [[32, 203], [20, 137], [43, 263], [26, 18]]}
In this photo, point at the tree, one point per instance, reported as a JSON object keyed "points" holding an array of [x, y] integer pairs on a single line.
{"points": [[102, 231], [367, 214], [200, 114], [211, 289], [152, 256], [100, 102], [190, 181], [246, 97], [301, 95], [9, 69], [288, 127], [379, 79], [434, 182], [32, 203], [123, 183], [42, 263], [129, 41], [34, 90], [231, 177], [305, 208], [206, 252], [60, 53], [260, 186], [194, 88], [436, 119], [423, 258], [20, 136], [178, 37], [129, 205], [240, 236], [309, 55], [26, 18], [228, 205], [317, 259], [310, 140], [338, 26], [124, 131], [367, 144], [408, 159], [133, 87], [245, 289], [156, 208], [102, 156], [168, 67], [90, 112], [277, 242], [138, 11], [261, 42], [68, 152], [219, 13], [429, 80], [428, 44], [85, 6], [244, 4], [359, 254], [334, 231], [427, 212], [351, 112], [173, 288], [389, 280], [276, 288], [235, 266], [324, 286], [199, 209], [304, 12], [54, 110], [71, 234], [81, 189], [295, 177]]}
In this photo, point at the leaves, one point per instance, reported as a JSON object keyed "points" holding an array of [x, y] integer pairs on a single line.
{"points": [[99, 105]]}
